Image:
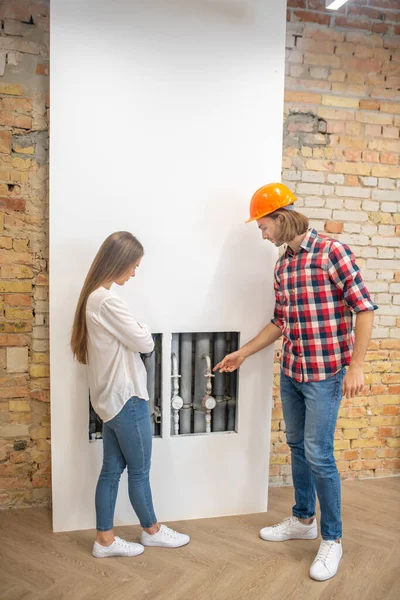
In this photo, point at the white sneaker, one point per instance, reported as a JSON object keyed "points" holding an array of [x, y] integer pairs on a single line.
{"points": [[326, 563], [119, 547], [165, 537], [290, 529]]}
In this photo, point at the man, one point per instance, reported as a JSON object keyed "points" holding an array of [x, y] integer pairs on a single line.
{"points": [[318, 287]]}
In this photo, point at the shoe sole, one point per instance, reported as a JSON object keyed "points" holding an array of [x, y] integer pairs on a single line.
{"points": [[285, 539], [117, 555], [164, 545], [324, 578]]}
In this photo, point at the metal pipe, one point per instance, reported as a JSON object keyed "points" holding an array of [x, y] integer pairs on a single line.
{"points": [[209, 402], [150, 364], [219, 353], [219, 413], [232, 402], [92, 421], [158, 389], [176, 400], [200, 382], [232, 388], [186, 347]]}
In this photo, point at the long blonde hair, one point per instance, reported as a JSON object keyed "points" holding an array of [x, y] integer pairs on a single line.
{"points": [[291, 224], [117, 254]]}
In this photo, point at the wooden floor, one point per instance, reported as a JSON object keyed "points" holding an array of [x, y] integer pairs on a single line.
{"points": [[225, 559]]}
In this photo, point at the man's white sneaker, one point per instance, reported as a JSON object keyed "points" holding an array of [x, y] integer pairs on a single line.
{"points": [[165, 537], [119, 547], [290, 529], [327, 561]]}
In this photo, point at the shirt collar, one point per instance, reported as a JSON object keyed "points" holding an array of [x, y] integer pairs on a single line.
{"points": [[309, 239], [307, 243]]}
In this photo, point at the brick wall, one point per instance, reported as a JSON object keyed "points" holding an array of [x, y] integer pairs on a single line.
{"points": [[341, 157], [24, 358]]}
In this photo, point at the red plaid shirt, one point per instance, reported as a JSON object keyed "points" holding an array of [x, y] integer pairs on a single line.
{"points": [[316, 290]]}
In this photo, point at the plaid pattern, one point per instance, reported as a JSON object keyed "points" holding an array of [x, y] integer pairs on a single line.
{"points": [[316, 291]]}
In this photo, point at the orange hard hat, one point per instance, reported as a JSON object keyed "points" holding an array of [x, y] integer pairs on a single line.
{"points": [[269, 198]]}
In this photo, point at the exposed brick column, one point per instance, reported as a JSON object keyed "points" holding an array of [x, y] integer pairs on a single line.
{"points": [[24, 357]]}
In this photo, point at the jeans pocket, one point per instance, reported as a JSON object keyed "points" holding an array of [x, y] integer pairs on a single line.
{"points": [[139, 408]]}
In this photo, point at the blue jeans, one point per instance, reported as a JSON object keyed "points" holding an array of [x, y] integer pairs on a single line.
{"points": [[310, 412], [127, 441]]}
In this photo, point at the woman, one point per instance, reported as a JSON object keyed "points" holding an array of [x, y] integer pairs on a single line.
{"points": [[108, 339]]}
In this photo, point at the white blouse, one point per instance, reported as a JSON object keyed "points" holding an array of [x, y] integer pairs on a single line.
{"points": [[115, 339]]}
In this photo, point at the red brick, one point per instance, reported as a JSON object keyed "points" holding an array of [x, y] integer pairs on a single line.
{"points": [[17, 300], [13, 339], [11, 120], [391, 463], [387, 452], [370, 156], [370, 104], [386, 431], [5, 141], [352, 180], [345, 49], [40, 395], [385, 4], [352, 24], [350, 455], [293, 96], [392, 16], [369, 453], [364, 11], [358, 411], [379, 389], [324, 33], [297, 3], [352, 155], [42, 278], [39, 481], [9, 256], [336, 127], [367, 65], [376, 78], [380, 28], [312, 17], [389, 158], [311, 45], [333, 227], [391, 410], [20, 391], [42, 69], [316, 5], [360, 38], [373, 130], [12, 203], [15, 483]]}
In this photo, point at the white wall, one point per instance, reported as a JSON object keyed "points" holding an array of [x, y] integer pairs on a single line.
{"points": [[165, 118]]}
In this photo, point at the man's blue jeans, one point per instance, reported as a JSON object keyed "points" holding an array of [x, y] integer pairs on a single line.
{"points": [[127, 441], [310, 412]]}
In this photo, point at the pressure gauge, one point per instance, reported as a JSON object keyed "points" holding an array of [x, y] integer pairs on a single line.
{"points": [[209, 402], [176, 402]]}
